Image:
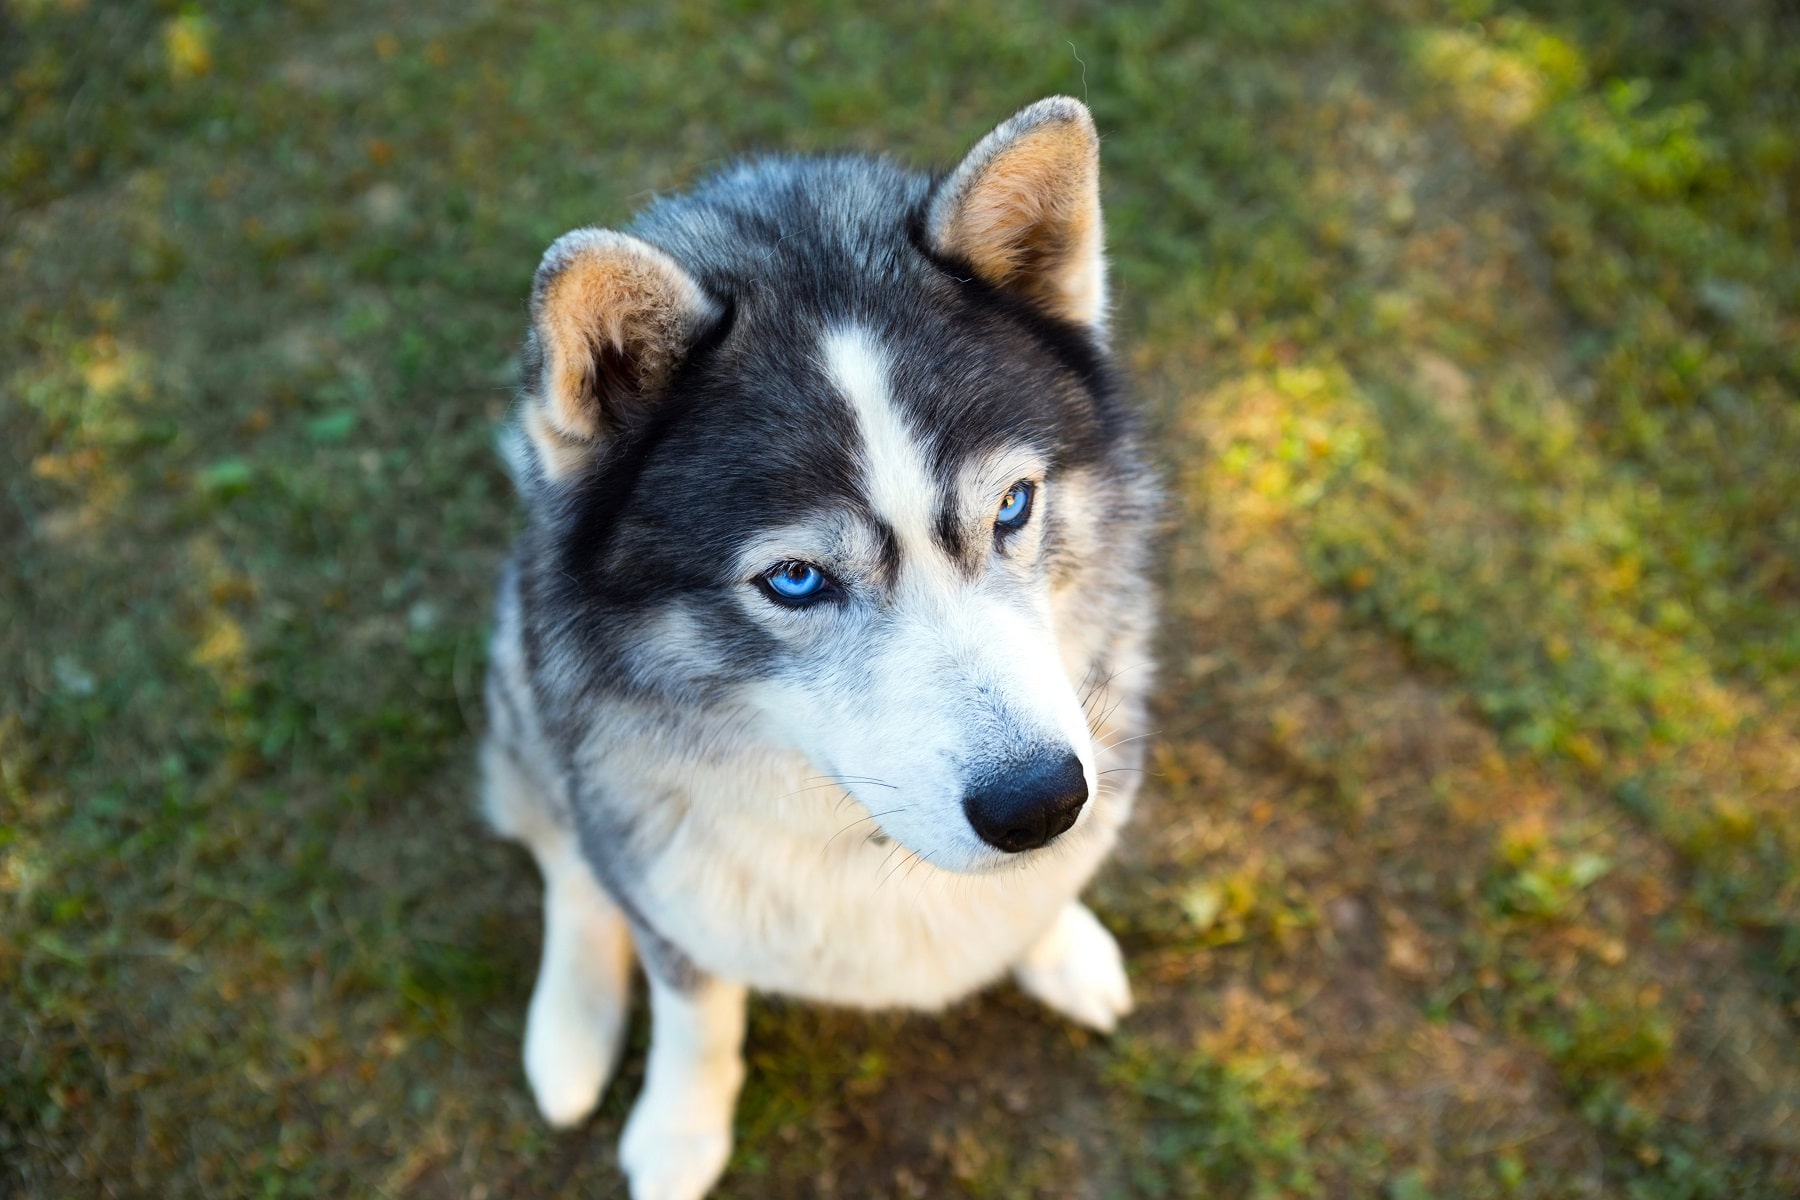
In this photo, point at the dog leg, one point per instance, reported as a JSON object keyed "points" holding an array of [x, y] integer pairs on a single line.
{"points": [[1076, 969], [679, 1135], [576, 1025]]}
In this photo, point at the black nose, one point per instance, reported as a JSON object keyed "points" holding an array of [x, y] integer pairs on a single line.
{"points": [[1028, 805]]}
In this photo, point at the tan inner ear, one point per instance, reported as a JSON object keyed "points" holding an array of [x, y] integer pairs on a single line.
{"points": [[613, 323], [1030, 221]]}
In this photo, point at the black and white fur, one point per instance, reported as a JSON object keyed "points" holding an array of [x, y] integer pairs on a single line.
{"points": [[846, 365]]}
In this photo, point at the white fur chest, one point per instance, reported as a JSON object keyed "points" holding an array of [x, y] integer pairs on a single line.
{"points": [[795, 897]]}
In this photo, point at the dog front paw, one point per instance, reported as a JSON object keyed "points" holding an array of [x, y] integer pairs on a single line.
{"points": [[679, 1135], [666, 1158], [569, 1053], [576, 1024], [1076, 969]]}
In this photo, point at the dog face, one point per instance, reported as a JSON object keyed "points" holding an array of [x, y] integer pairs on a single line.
{"points": [[917, 655], [831, 461]]}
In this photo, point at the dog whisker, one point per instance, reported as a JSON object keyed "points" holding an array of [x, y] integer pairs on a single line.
{"points": [[1114, 745], [852, 825], [866, 780], [884, 879]]}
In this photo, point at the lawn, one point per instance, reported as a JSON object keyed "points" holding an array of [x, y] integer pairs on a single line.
{"points": [[1469, 334]]}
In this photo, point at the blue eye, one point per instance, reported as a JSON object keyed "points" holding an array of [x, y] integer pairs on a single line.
{"points": [[796, 582], [1015, 506]]}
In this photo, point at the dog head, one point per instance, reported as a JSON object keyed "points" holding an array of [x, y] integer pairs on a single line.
{"points": [[831, 443]]}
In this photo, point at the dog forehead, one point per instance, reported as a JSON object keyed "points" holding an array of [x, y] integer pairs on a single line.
{"points": [[805, 414], [893, 455], [959, 378]]}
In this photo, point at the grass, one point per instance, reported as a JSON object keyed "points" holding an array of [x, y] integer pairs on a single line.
{"points": [[1470, 333]]}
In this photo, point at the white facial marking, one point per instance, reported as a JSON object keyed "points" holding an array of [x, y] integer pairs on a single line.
{"points": [[922, 687], [900, 486]]}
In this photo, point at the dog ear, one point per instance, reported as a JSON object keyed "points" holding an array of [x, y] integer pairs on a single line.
{"points": [[612, 317], [1023, 210]]}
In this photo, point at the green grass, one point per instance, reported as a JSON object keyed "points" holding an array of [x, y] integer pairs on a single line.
{"points": [[1470, 333]]}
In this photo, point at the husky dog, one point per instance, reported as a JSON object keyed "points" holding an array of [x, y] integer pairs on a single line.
{"points": [[819, 667]]}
